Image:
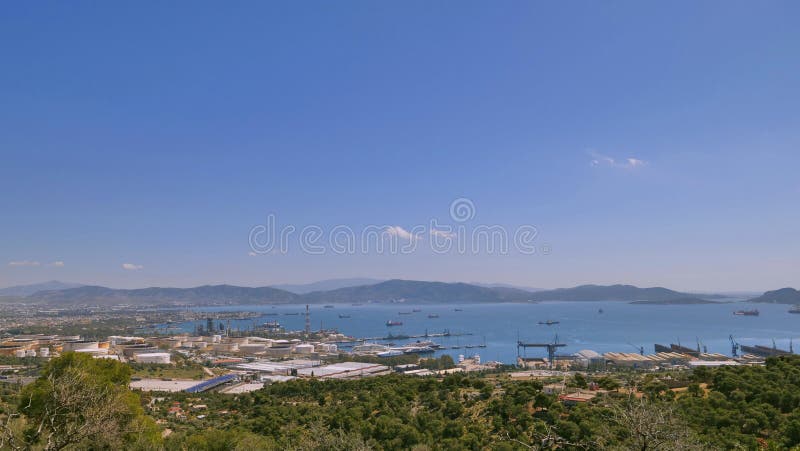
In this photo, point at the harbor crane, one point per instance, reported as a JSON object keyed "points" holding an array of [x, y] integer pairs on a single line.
{"points": [[640, 349], [705, 348], [734, 347], [551, 348]]}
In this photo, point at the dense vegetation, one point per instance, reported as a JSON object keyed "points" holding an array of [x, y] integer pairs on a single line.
{"points": [[725, 408]]}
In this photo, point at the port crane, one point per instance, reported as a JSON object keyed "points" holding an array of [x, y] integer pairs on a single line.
{"points": [[551, 348], [640, 349], [734, 347], [705, 348]]}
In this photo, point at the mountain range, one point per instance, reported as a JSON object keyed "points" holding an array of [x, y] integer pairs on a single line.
{"points": [[27, 290], [627, 293], [419, 292], [325, 285], [388, 291]]}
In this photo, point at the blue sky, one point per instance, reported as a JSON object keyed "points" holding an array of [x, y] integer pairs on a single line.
{"points": [[156, 137]]}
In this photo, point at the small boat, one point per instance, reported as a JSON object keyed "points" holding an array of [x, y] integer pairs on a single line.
{"points": [[416, 310], [549, 322], [341, 315], [403, 313], [427, 343], [795, 309], [600, 311], [458, 310], [327, 306], [393, 323], [746, 313], [433, 315]]}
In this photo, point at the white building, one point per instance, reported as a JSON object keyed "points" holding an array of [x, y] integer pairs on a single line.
{"points": [[152, 357]]}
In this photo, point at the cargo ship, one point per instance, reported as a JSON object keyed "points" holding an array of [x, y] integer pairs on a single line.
{"points": [[795, 309], [393, 323], [433, 315], [549, 322], [341, 315], [746, 313]]}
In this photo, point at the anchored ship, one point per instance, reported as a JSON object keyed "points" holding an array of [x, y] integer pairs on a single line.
{"points": [[746, 312]]}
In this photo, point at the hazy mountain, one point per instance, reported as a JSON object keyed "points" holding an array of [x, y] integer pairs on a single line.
{"points": [[782, 296], [506, 285], [678, 301], [417, 291], [27, 290], [392, 290], [208, 294], [615, 293], [325, 285]]}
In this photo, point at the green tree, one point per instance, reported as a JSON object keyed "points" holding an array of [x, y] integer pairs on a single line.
{"points": [[84, 402]]}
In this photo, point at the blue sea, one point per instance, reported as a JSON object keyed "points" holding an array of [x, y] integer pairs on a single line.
{"points": [[621, 327]]}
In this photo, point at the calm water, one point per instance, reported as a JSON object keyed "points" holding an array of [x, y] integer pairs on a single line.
{"points": [[621, 327]]}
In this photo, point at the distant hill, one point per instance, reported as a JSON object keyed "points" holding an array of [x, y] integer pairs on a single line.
{"points": [[325, 285], [27, 290], [392, 290], [204, 295], [782, 296], [506, 285], [677, 301], [418, 292], [614, 293]]}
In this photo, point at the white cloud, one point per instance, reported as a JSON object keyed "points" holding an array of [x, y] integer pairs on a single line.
{"points": [[24, 263], [57, 264], [635, 162], [252, 254], [400, 233], [599, 159], [442, 233], [131, 267]]}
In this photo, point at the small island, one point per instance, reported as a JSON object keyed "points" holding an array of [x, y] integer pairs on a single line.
{"points": [[677, 301]]}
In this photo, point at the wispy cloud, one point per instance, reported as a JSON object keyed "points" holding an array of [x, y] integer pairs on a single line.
{"points": [[442, 233], [56, 264], [131, 267], [397, 231], [599, 159], [252, 254], [24, 263]]}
